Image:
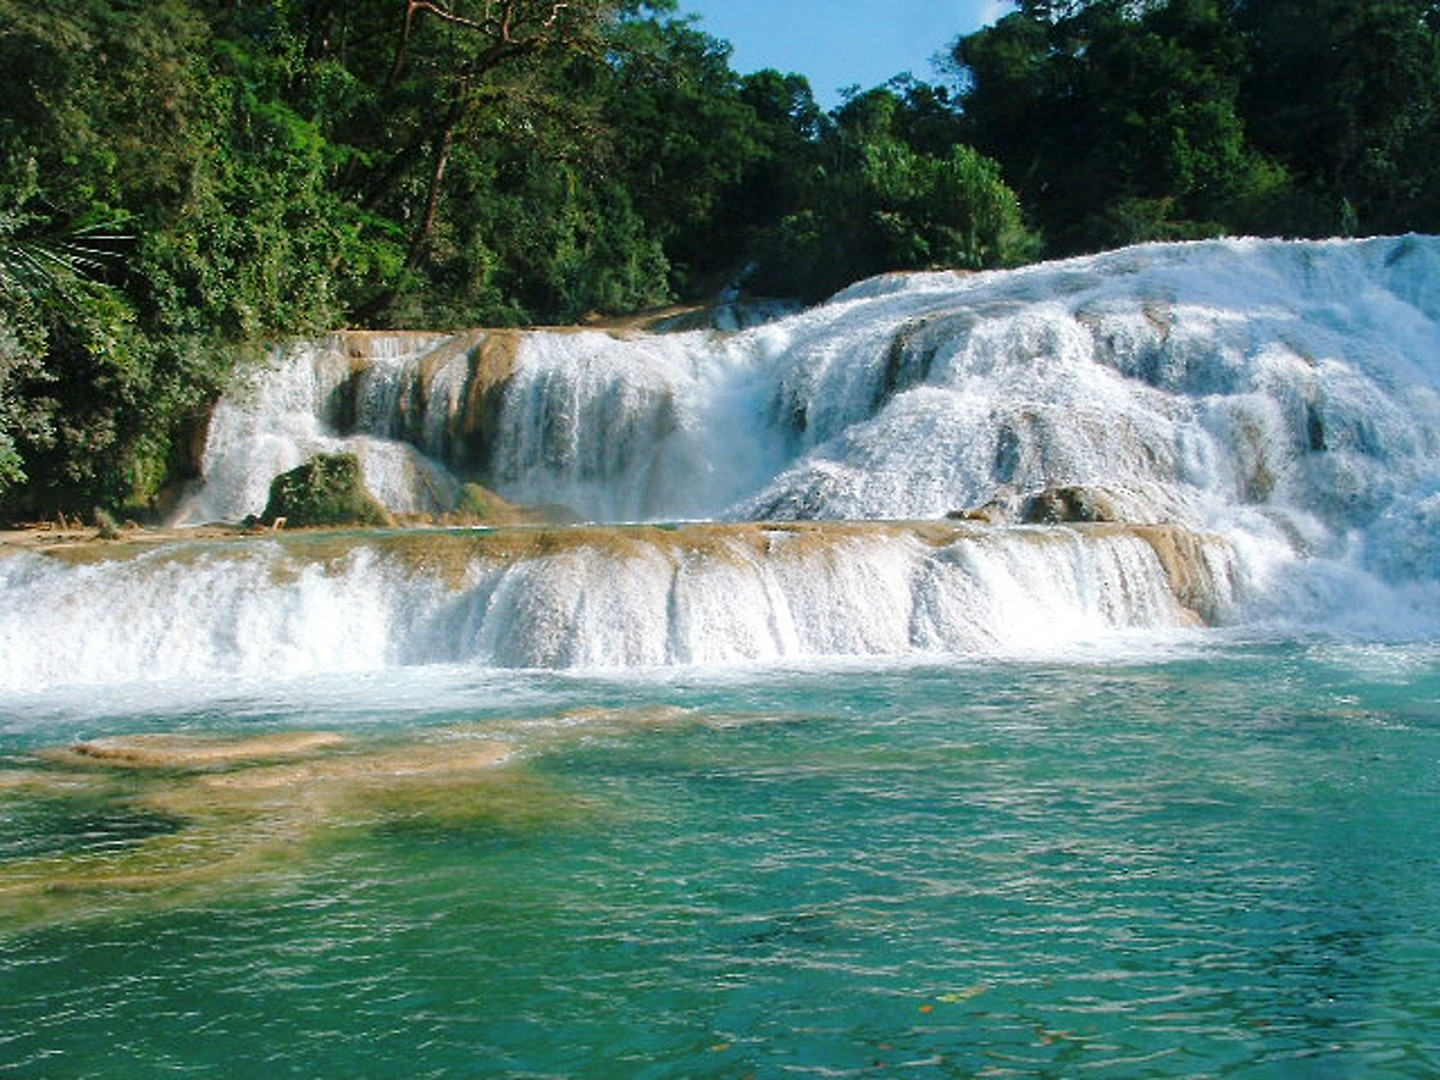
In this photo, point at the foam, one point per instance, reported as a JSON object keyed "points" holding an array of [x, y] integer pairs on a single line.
{"points": [[1280, 399]]}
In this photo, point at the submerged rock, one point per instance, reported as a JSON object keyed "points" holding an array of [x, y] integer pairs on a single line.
{"points": [[191, 751], [326, 490], [173, 816], [164, 818]]}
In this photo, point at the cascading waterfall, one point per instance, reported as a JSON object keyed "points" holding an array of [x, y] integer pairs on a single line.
{"points": [[1201, 377], [611, 597], [1271, 408], [337, 399]]}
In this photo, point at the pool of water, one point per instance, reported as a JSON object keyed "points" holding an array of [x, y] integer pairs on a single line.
{"points": [[1221, 861]]}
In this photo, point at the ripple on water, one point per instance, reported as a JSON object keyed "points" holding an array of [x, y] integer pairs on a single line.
{"points": [[1189, 869]]}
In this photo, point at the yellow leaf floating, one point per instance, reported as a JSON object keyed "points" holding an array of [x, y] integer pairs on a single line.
{"points": [[956, 997]]}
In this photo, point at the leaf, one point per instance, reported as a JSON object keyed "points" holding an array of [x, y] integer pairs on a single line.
{"points": [[958, 997]]}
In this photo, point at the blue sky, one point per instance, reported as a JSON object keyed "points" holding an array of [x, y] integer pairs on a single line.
{"points": [[838, 43]]}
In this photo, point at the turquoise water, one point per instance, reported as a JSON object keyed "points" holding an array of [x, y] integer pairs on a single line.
{"points": [[1219, 862]]}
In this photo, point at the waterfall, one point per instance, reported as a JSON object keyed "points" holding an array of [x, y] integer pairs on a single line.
{"points": [[592, 598], [1272, 408], [1204, 377], [347, 394]]}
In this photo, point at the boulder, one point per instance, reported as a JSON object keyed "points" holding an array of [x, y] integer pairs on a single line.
{"points": [[1066, 505], [327, 490]]}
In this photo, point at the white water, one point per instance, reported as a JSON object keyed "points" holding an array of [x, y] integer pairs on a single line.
{"points": [[881, 594], [279, 418], [1280, 399], [1203, 378], [294, 606]]}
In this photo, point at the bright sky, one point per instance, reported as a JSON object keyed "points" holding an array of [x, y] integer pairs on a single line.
{"points": [[838, 43]]}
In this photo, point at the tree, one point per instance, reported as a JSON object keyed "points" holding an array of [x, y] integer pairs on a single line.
{"points": [[682, 140], [133, 121], [1116, 122], [74, 359], [1347, 96], [1121, 121], [878, 204], [455, 77]]}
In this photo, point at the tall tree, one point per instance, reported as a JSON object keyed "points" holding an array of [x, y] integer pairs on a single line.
{"points": [[683, 138], [877, 203], [1118, 122], [428, 84], [96, 117], [1346, 93], [133, 121]]}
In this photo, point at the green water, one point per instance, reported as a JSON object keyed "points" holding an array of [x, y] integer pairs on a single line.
{"points": [[1220, 864]]}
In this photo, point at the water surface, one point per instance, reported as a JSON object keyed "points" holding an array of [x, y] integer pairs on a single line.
{"points": [[1219, 860]]}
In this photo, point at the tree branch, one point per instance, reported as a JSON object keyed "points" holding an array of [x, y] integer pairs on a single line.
{"points": [[447, 16], [506, 26]]}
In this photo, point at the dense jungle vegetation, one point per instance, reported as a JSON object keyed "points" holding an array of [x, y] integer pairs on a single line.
{"points": [[183, 179]]}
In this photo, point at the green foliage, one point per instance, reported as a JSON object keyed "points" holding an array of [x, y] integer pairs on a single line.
{"points": [[182, 179], [684, 138], [327, 490], [119, 338], [50, 304], [21, 417], [1346, 95], [1119, 126], [1120, 122], [885, 205]]}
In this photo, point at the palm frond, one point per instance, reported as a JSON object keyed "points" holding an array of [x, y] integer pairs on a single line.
{"points": [[38, 260]]}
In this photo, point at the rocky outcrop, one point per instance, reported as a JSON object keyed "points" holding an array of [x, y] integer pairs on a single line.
{"points": [[326, 490], [1069, 505], [1065, 505]]}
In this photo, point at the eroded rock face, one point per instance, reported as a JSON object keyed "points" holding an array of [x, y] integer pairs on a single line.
{"points": [[1199, 577]]}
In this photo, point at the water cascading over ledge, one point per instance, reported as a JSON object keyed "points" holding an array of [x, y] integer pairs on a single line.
{"points": [[594, 597], [1257, 422], [1202, 378]]}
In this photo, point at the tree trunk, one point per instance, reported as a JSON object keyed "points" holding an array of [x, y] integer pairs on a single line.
{"points": [[444, 145]]}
